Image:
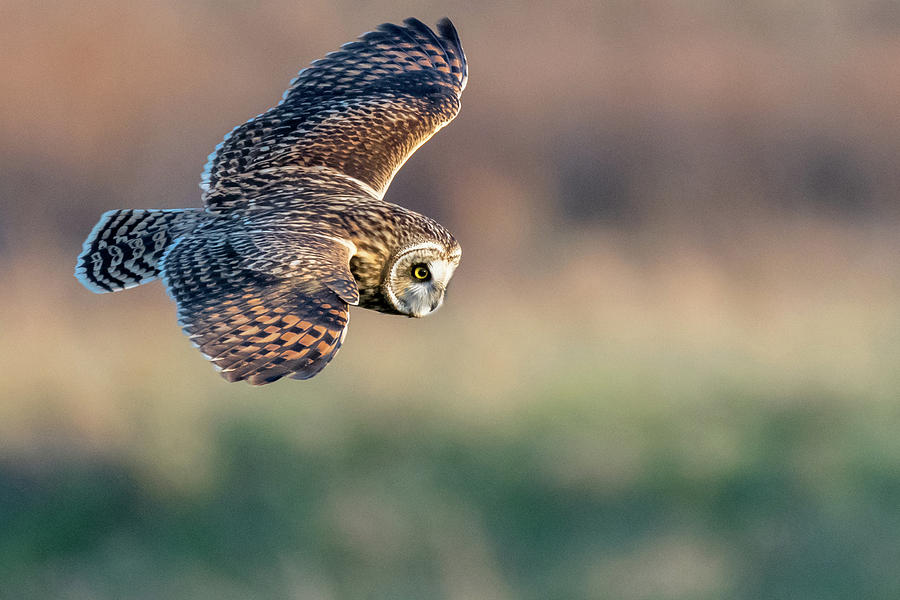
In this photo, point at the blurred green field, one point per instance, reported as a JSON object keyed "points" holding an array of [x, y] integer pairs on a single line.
{"points": [[666, 369], [651, 441]]}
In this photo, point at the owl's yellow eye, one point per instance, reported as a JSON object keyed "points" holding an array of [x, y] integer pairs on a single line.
{"points": [[421, 272]]}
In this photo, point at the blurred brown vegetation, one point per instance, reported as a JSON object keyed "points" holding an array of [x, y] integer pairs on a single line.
{"points": [[669, 358]]}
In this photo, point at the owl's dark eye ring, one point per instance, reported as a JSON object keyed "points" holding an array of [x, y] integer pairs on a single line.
{"points": [[420, 272]]}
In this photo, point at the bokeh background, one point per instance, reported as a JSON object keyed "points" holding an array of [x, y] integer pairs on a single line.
{"points": [[667, 368]]}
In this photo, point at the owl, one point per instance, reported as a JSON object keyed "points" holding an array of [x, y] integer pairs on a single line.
{"points": [[294, 228]]}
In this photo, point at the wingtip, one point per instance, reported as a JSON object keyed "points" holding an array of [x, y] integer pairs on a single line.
{"points": [[413, 22], [445, 36], [445, 25], [447, 30], [448, 33]]}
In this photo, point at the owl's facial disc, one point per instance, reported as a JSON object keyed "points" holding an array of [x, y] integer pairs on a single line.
{"points": [[418, 278]]}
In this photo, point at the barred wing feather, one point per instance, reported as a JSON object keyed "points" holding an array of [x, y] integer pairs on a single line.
{"points": [[359, 112]]}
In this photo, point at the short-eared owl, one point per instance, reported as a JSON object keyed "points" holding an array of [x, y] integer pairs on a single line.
{"points": [[294, 228]]}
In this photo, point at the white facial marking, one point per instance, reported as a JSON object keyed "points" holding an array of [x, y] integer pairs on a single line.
{"points": [[415, 297]]}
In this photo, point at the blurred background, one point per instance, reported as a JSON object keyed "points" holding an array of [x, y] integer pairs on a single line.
{"points": [[667, 369]]}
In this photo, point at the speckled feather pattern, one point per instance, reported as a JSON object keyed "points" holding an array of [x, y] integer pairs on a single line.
{"points": [[250, 312], [361, 110], [294, 229]]}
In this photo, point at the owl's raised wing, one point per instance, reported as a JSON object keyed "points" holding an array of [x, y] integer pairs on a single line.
{"points": [[262, 305], [359, 112]]}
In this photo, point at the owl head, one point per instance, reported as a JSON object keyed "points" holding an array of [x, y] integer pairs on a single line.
{"points": [[418, 275]]}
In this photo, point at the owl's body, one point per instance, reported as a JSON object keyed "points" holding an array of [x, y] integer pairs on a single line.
{"points": [[294, 228]]}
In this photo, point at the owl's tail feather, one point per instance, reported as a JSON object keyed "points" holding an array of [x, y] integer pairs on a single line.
{"points": [[125, 246]]}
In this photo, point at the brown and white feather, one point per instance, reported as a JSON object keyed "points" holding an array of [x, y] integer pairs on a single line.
{"points": [[294, 229]]}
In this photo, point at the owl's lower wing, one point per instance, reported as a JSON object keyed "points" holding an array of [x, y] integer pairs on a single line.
{"points": [[256, 316], [358, 113]]}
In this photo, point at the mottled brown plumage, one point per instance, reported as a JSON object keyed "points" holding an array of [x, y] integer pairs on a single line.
{"points": [[294, 228]]}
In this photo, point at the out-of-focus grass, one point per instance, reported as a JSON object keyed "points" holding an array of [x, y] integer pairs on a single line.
{"points": [[668, 425], [796, 502]]}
